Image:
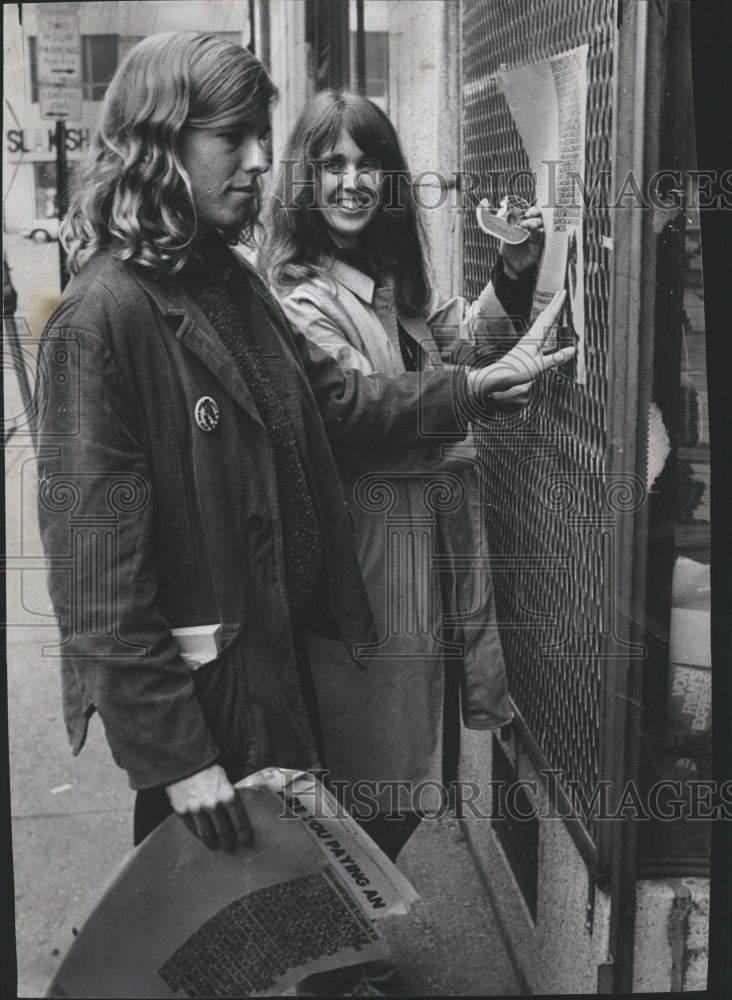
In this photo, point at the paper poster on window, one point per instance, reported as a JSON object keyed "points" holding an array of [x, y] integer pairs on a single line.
{"points": [[548, 102]]}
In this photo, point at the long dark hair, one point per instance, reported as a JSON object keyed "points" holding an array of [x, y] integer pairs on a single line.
{"points": [[296, 237], [131, 193]]}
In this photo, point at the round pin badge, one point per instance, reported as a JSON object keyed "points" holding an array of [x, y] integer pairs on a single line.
{"points": [[206, 413]]}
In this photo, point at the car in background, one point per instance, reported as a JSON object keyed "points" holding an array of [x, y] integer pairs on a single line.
{"points": [[41, 230]]}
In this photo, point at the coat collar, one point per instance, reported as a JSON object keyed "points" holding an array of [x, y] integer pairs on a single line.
{"points": [[352, 279], [196, 332], [166, 292], [364, 288]]}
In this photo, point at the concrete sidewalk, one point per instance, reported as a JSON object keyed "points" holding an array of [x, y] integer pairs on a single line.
{"points": [[72, 817], [72, 823]]}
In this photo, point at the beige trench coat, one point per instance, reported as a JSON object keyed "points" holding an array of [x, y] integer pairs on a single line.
{"points": [[413, 513]]}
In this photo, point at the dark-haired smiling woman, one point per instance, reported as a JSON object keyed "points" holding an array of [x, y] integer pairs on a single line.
{"points": [[345, 256]]}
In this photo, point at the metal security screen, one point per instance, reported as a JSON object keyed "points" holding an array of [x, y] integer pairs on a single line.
{"points": [[551, 507]]}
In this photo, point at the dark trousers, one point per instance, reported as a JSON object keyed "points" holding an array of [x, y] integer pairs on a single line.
{"points": [[152, 805]]}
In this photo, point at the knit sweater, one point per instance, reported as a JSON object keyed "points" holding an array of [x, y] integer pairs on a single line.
{"points": [[223, 293]]}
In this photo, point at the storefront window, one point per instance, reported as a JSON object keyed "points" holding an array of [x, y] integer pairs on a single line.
{"points": [[45, 188], [98, 63], [377, 65], [678, 688], [125, 43], [689, 697], [99, 57]]}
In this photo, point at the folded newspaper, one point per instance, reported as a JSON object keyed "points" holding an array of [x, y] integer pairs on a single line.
{"points": [[178, 920]]}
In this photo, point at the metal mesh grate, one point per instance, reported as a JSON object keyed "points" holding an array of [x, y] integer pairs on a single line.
{"points": [[547, 501]]}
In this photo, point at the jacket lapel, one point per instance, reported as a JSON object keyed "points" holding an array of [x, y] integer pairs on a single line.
{"points": [[199, 337], [196, 333], [362, 288]]}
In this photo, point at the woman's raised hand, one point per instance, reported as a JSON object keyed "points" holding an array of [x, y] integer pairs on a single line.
{"points": [[522, 365], [520, 257]]}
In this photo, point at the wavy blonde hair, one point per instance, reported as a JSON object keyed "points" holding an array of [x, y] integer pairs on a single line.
{"points": [[131, 192]]}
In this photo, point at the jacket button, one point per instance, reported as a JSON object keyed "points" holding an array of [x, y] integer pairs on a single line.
{"points": [[255, 521]]}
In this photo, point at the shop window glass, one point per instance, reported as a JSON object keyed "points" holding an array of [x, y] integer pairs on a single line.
{"points": [[45, 190], [125, 43], [98, 63], [99, 59], [377, 64], [678, 696], [44, 177]]}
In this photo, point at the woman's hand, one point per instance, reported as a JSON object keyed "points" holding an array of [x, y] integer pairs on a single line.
{"points": [[210, 807], [521, 257], [522, 365], [512, 400]]}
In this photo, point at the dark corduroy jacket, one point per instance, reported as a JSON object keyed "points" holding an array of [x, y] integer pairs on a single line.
{"points": [[151, 522]]}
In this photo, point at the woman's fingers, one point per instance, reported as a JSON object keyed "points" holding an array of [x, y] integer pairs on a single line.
{"points": [[515, 392], [513, 399], [525, 360], [240, 821], [212, 810], [205, 829], [523, 363], [558, 358], [225, 825], [224, 828], [532, 212], [533, 222]]}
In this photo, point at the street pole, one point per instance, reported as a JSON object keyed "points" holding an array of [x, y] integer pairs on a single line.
{"points": [[62, 180]]}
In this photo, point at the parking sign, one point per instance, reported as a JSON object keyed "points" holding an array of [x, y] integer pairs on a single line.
{"points": [[59, 66]]}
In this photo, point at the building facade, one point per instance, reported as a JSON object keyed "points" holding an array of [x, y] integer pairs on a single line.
{"points": [[597, 505]]}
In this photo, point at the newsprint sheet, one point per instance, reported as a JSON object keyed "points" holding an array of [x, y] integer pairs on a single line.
{"points": [[548, 101], [179, 920]]}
